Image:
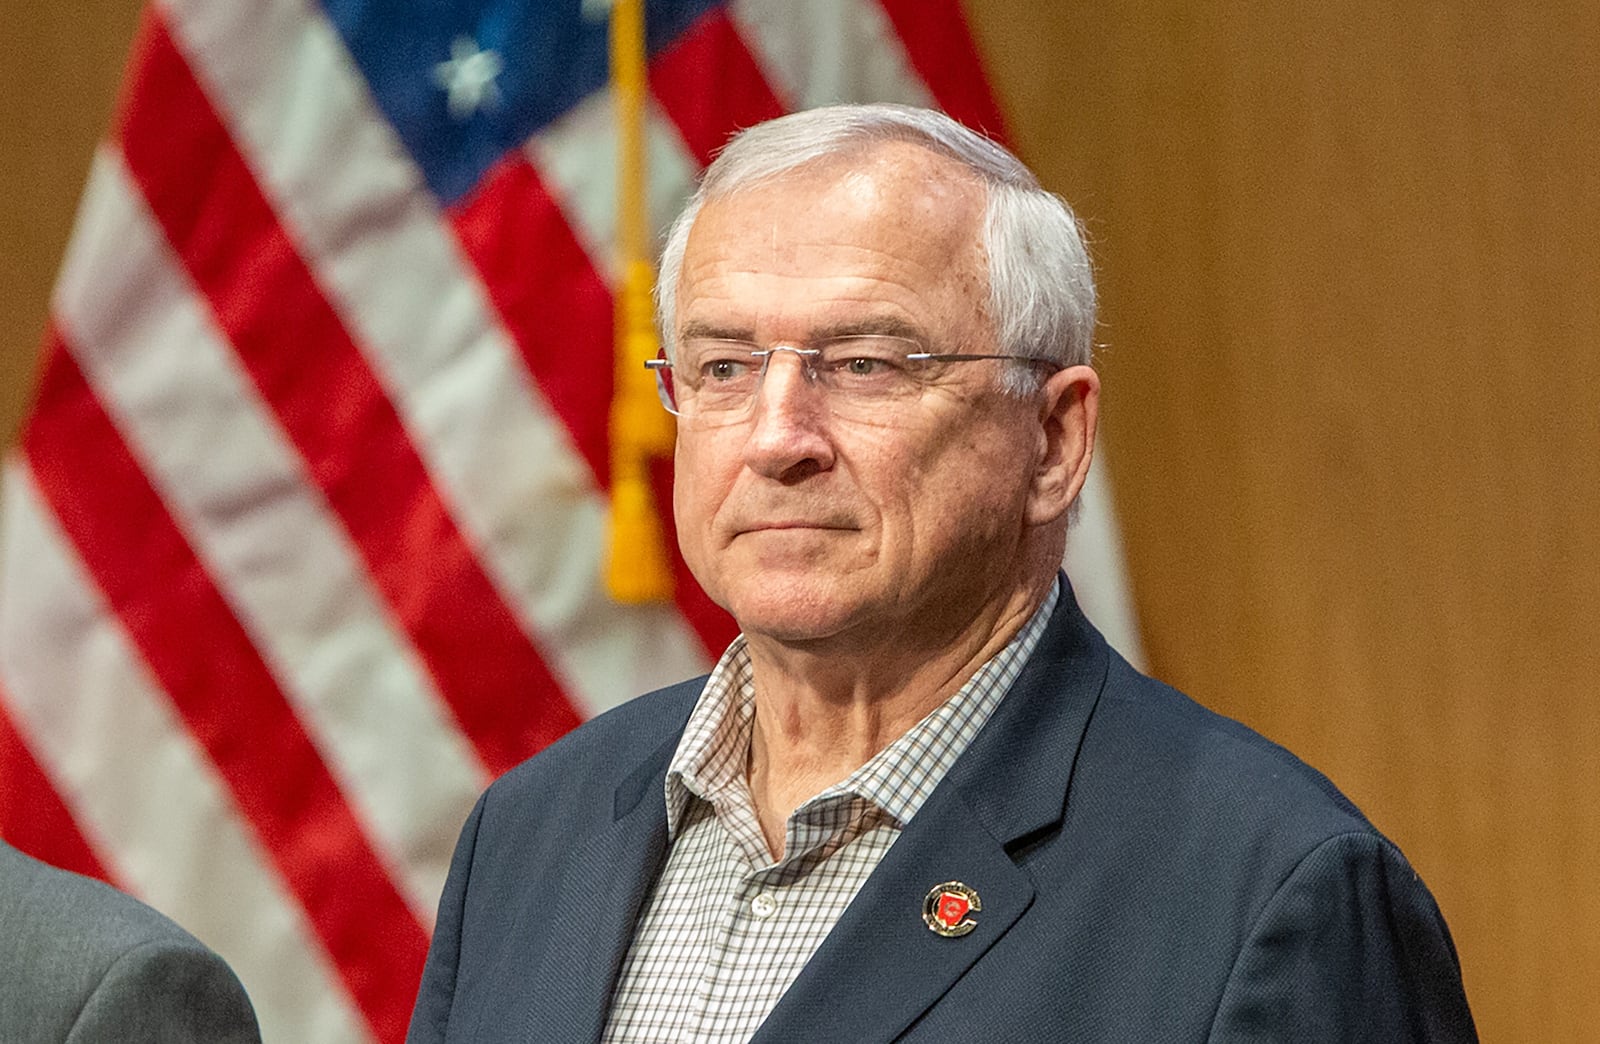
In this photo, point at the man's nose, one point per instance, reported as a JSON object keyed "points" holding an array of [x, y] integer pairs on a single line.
{"points": [[783, 366], [789, 436]]}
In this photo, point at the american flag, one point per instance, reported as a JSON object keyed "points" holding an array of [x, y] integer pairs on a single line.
{"points": [[303, 538]]}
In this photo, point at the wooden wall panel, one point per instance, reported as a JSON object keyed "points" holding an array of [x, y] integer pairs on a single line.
{"points": [[1350, 274], [1351, 285], [59, 73]]}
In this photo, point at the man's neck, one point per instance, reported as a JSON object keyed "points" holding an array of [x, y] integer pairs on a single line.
{"points": [[823, 712]]}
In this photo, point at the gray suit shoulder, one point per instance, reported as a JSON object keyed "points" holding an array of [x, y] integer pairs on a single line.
{"points": [[83, 962]]}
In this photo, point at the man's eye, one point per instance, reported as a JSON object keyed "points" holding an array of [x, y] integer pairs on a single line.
{"points": [[868, 367], [725, 369]]}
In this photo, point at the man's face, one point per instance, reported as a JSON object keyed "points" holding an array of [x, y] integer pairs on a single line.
{"points": [[804, 525]]}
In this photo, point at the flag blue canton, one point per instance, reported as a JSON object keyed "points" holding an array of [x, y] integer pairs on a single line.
{"points": [[552, 54]]}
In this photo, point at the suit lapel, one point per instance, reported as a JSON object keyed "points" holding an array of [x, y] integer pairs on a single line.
{"points": [[587, 920], [881, 967]]}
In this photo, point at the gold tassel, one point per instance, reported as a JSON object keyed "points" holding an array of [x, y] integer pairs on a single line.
{"points": [[637, 567]]}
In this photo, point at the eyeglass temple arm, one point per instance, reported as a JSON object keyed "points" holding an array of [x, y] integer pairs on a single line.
{"points": [[967, 357]]}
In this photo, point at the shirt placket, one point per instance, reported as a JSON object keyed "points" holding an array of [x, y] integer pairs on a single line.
{"points": [[763, 932]]}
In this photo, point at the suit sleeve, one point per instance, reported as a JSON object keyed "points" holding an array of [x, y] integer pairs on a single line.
{"points": [[1351, 948], [167, 991], [431, 1016]]}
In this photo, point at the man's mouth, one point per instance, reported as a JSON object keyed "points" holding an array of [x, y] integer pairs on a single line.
{"points": [[766, 527]]}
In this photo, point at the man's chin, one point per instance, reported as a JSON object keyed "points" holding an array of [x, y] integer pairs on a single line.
{"points": [[793, 610], [793, 549]]}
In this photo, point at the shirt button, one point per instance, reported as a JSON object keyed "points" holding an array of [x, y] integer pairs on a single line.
{"points": [[764, 905]]}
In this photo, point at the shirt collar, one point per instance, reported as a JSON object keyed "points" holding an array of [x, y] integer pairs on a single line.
{"points": [[711, 759]]}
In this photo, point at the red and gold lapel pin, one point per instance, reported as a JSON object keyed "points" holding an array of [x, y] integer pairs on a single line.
{"points": [[946, 907]]}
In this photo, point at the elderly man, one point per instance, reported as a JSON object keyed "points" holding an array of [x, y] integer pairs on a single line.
{"points": [[919, 798]]}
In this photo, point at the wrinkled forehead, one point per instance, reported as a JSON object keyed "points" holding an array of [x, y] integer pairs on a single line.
{"points": [[892, 207]]}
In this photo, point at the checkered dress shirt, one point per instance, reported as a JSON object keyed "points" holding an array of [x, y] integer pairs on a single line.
{"points": [[726, 929]]}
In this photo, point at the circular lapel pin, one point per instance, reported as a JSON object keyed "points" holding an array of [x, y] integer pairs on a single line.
{"points": [[946, 907]]}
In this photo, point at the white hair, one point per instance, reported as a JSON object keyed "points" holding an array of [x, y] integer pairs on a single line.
{"points": [[1041, 283]]}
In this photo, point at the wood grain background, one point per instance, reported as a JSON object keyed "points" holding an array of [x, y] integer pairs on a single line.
{"points": [[1351, 274]]}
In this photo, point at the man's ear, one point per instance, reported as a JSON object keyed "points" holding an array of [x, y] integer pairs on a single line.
{"points": [[1069, 410]]}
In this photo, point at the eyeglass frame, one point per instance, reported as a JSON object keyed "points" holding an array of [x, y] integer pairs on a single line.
{"points": [[807, 355]]}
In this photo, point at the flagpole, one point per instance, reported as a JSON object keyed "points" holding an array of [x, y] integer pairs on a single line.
{"points": [[637, 567]]}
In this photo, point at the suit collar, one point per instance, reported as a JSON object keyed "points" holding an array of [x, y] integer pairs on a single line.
{"points": [[650, 775], [1016, 775], [588, 916], [1011, 784]]}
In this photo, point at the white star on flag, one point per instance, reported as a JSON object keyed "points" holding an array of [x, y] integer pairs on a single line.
{"points": [[468, 77]]}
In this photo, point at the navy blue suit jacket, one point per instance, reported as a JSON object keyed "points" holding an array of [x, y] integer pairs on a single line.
{"points": [[1149, 872]]}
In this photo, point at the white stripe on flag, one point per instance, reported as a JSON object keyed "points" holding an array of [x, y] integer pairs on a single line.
{"points": [[577, 155], [821, 52], [1094, 562], [133, 776], [241, 495], [353, 201]]}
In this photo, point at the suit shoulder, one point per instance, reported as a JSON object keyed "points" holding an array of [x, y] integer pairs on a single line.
{"points": [[598, 753], [55, 908], [105, 966], [1203, 819], [1215, 771]]}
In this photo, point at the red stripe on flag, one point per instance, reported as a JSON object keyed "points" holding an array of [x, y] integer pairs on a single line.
{"points": [[332, 406], [33, 817], [939, 43], [710, 84], [560, 312], [217, 682], [550, 298]]}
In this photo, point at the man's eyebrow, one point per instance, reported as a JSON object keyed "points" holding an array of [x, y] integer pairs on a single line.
{"points": [[700, 328], [882, 325]]}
